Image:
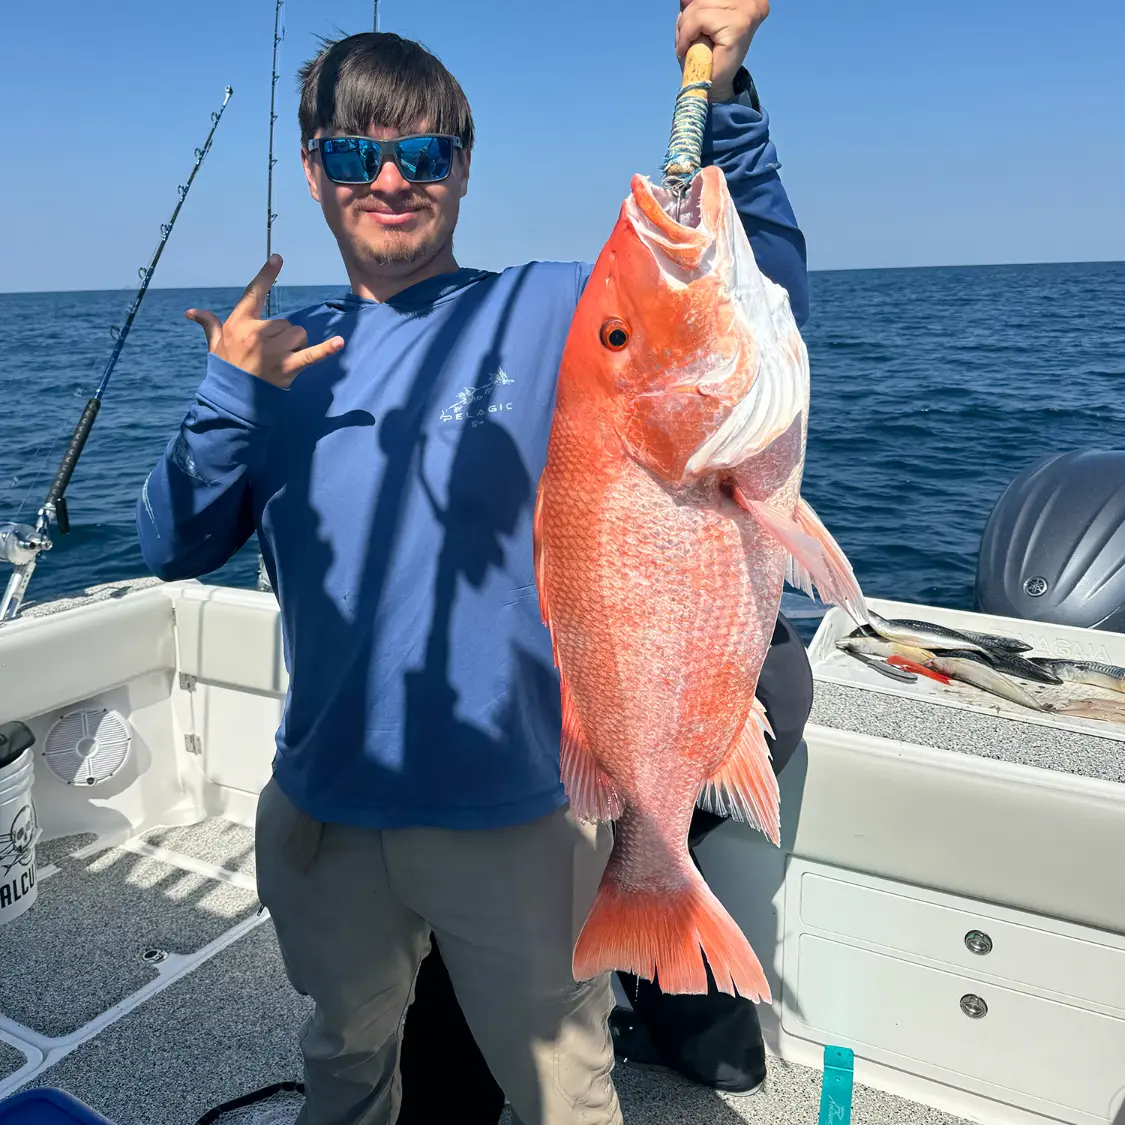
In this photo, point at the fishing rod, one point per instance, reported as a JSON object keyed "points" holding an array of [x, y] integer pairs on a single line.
{"points": [[21, 545], [264, 583], [271, 214]]}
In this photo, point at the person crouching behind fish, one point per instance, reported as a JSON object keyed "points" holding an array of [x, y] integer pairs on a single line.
{"points": [[384, 445], [714, 1038]]}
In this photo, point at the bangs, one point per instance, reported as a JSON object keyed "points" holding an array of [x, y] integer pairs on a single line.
{"points": [[383, 80]]}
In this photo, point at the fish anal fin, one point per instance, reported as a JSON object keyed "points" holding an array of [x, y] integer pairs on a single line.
{"points": [[816, 561], [744, 786], [590, 792], [589, 789]]}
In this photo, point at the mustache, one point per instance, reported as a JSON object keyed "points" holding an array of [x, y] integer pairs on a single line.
{"points": [[407, 203]]}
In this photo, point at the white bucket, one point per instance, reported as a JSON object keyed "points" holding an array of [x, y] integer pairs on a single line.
{"points": [[19, 831]]}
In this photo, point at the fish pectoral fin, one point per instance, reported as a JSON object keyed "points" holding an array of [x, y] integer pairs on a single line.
{"points": [[815, 558], [744, 786], [589, 789]]}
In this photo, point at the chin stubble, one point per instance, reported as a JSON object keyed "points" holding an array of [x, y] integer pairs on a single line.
{"points": [[401, 250], [397, 248]]}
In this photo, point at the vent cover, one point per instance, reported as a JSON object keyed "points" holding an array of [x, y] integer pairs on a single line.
{"points": [[86, 747]]}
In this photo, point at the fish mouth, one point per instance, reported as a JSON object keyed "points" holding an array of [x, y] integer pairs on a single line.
{"points": [[678, 230], [682, 210], [698, 238]]}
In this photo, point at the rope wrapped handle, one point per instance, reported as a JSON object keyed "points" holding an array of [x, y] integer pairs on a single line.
{"points": [[685, 147]]}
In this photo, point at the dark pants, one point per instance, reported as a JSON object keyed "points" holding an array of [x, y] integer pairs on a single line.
{"points": [[713, 1039], [444, 1075]]}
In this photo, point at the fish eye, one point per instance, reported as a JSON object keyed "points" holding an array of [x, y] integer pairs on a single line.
{"points": [[615, 334]]}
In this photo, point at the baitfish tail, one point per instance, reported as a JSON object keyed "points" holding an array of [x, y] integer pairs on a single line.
{"points": [[658, 935]]}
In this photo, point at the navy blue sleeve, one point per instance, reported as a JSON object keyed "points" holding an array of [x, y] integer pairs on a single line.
{"points": [[195, 510], [737, 140]]}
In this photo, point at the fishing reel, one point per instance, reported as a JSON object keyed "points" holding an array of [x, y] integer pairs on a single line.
{"points": [[19, 543], [20, 547]]}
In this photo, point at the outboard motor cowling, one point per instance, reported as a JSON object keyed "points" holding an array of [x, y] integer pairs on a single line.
{"points": [[1054, 545]]}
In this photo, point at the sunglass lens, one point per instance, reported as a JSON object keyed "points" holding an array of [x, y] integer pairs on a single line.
{"points": [[425, 159], [349, 160]]}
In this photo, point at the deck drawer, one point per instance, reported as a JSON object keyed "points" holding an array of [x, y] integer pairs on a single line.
{"points": [[1075, 965], [1025, 1045]]}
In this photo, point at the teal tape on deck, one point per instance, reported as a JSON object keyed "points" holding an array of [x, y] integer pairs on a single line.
{"points": [[836, 1091]]}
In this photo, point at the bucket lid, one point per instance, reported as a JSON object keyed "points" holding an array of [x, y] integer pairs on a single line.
{"points": [[15, 738], [48, 1106]]}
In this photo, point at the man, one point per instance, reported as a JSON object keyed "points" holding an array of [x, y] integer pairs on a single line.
{"points": [[385, 446]]}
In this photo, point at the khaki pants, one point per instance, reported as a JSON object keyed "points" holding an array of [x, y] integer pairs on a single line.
{"points": [[353, 909]]}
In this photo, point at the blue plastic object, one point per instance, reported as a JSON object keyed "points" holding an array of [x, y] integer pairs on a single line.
{"points": [[47, 1107], [836, 1091]]}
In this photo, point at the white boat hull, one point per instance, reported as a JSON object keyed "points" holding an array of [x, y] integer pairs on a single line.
{"points": [[893, 853]]}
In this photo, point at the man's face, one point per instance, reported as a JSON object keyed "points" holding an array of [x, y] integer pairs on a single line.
{"points": [[390, 227]]}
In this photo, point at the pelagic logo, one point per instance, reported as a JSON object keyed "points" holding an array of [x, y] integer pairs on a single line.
{"points": [[474, 404]]}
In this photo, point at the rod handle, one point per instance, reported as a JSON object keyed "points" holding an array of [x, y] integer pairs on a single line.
{"points": [[689, 119], [73, 452], [697, 67]]}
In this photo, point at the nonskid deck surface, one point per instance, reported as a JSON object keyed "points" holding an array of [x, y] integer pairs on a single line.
{"points": [[216, 1018], [102, 927]]}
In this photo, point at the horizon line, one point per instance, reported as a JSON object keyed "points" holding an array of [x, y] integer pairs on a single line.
{"points": [[339, 284]]}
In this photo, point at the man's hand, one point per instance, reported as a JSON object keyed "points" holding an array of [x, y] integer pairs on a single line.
{"points": [[728, 25], [273, 350]]}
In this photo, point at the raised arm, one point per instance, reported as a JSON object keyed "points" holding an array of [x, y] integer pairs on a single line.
{"points": [[195, 509], [738, 142]]}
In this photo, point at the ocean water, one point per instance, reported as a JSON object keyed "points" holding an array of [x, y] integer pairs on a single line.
{"points": [[932, 389]]}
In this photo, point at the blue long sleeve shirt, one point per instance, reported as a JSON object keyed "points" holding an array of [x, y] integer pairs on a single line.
{"points": [[392, 489]]}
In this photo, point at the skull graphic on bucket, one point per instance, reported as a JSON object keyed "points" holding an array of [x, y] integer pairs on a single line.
{"points": [[19, 831], [17, 843]]}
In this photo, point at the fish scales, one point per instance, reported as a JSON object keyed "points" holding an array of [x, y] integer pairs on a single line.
{"points": [[688, 624], [668, 516]]}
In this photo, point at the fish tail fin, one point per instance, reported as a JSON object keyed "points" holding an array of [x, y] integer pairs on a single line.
{"points": [[744, 786], [659, 935]]}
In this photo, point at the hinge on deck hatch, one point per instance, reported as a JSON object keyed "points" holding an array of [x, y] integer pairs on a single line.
{"points": [[187, 682], [193, 744]]}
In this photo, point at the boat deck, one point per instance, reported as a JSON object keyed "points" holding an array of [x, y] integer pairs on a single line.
{"points": [[147, 985]]}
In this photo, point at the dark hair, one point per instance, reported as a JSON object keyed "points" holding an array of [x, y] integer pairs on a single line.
{"points": [[380, 78]]}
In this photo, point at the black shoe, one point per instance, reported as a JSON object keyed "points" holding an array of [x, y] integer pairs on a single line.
{"points": [[633, 1046], [632, 1043]]}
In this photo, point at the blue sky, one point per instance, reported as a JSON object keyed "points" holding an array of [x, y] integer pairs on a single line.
{"points": [[911, 133]]}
